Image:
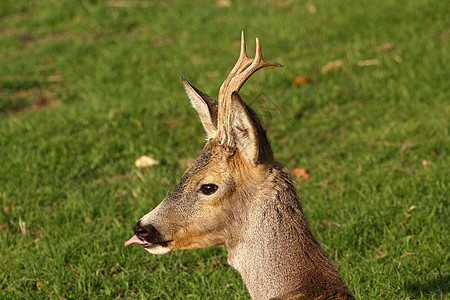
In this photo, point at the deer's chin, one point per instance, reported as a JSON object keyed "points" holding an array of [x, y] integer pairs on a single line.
{"points": [[158, 249]]}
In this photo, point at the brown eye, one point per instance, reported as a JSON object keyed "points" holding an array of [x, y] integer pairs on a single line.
{"points": [[208, 189]]}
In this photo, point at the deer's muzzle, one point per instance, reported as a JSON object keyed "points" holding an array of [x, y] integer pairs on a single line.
{"points": [[148, 237]]}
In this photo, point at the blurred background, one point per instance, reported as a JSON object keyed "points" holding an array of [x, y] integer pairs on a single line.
{"points": [[359, 114]]}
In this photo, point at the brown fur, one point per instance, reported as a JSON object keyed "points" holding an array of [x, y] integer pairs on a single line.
{"points": [[258, 217], [255, 211]]}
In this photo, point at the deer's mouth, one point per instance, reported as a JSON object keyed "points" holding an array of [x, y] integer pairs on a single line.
{"points": [[155, 248], [140, 240]]}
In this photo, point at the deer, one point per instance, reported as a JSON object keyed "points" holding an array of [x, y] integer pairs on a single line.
{"points": [[236, 194]]}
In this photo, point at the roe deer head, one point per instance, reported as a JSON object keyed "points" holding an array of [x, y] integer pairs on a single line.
{"points": [[235, 194]]}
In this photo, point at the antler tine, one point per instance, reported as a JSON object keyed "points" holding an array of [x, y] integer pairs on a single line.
{"points": [[242, 63], [241, 71], [258, 62]]}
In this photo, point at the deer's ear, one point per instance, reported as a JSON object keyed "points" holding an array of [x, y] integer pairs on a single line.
{"points": [[248, 134], [205, 106]]}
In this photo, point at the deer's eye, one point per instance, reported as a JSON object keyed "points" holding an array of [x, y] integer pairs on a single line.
{"points": [[208, 189]]}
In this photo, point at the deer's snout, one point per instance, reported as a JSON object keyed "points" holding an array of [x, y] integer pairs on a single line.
{"points": [[148, 233]]}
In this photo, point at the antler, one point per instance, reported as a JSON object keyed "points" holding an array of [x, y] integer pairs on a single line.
{"points": [[242, 70]]}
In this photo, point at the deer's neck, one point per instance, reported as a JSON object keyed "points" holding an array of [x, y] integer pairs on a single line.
{"points": [[274, 250]]}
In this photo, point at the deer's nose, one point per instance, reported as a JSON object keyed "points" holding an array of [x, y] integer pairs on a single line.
{"points": [[148, 233], [139, 230]]}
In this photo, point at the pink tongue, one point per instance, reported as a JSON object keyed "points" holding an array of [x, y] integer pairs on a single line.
{"points": [[134, 240]]}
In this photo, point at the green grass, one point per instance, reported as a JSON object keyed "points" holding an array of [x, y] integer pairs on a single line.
{"points": [[88, 87]]}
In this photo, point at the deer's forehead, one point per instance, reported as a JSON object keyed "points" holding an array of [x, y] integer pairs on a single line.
{"points": [[211, 161]]}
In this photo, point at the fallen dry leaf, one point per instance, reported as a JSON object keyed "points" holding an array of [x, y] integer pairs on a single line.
{"points": [[332, 65], [300, 173], [412, 208], [301, 80], [224, 3], [386, 47], [312, 8], [368, 62], [381, 255], [398, 59], [426, 163], [145, 162]]}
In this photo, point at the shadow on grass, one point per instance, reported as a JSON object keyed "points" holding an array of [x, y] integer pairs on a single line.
{"points": [[436, 285]]}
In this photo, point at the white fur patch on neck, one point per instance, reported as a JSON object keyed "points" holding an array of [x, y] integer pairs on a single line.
{"points": [[159, 250], [237, 258]]}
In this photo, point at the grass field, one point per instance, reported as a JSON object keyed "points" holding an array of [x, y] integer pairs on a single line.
{"points": [[87, 87]]}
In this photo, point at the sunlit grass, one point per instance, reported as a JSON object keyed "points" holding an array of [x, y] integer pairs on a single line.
{"points": [[86, 87]]}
